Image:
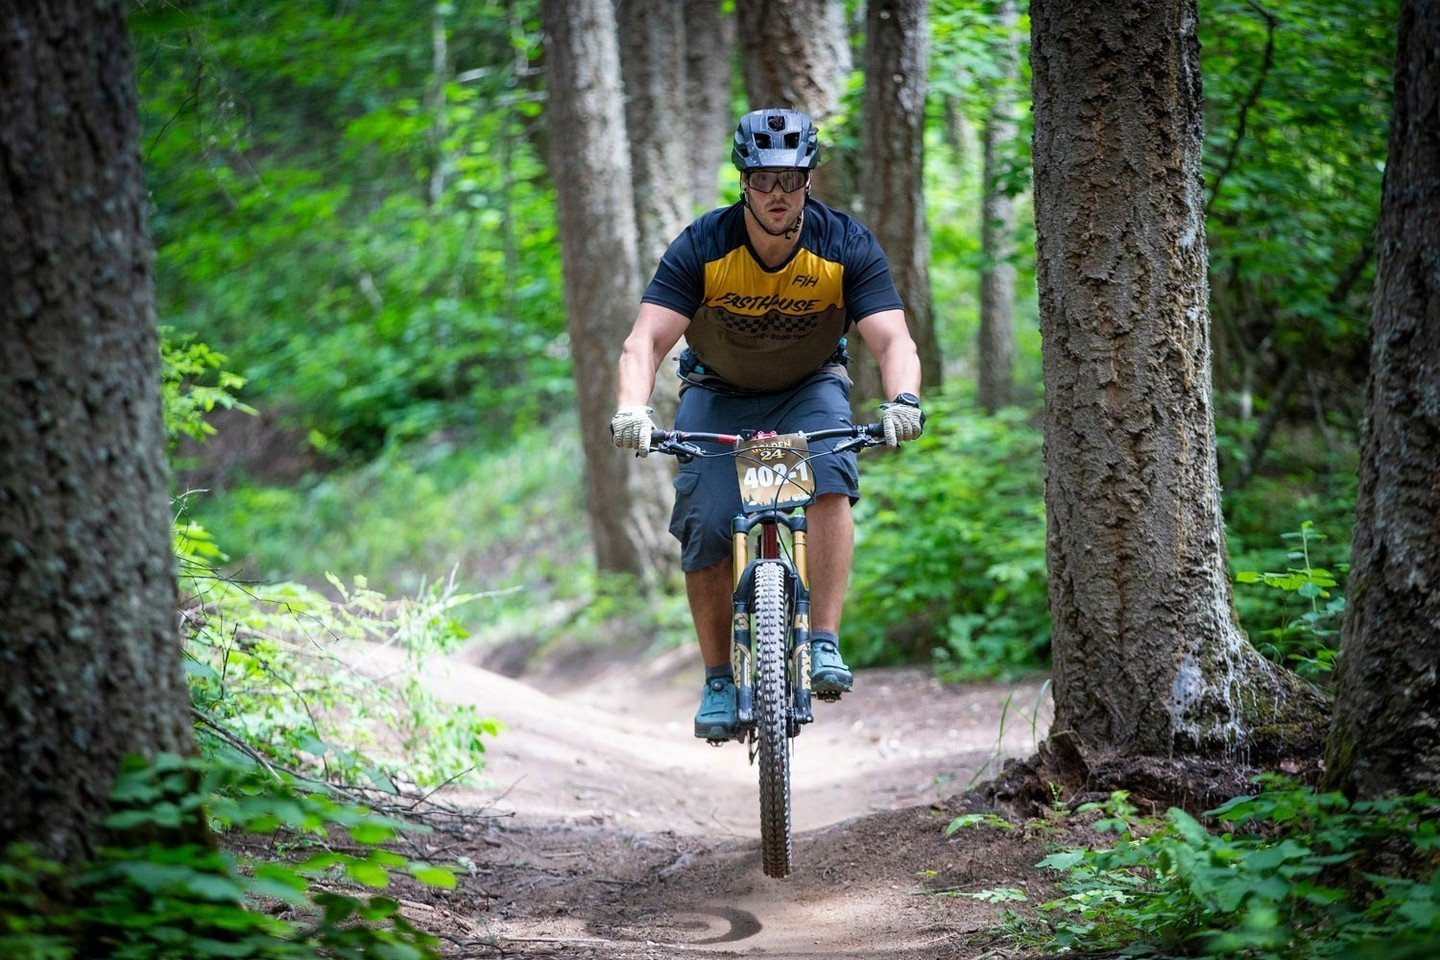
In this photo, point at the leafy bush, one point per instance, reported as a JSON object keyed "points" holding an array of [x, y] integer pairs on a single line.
{"points": [[1286, 873], [142, 899], [950, 554], [1309, 641]]}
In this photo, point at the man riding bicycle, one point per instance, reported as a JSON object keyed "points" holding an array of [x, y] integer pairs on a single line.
{"points": [[765, 291]]}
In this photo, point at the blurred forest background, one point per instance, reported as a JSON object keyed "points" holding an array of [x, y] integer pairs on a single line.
{"points": [[358, 266]]}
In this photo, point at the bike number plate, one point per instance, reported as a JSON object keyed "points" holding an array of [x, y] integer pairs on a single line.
{"points": [[773, 473]]}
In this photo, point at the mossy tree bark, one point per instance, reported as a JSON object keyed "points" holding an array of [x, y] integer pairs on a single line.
{"points": [[892, 175], [590, 165], [89, 642], [1386, 734], [1148, 656]]}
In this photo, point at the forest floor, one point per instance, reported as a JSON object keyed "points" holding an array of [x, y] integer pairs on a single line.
{"points": [[610, 833]]}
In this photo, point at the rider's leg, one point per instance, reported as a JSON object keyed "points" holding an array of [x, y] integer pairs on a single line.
{"points": [[832, 542], [831, 545], [710, 590]]}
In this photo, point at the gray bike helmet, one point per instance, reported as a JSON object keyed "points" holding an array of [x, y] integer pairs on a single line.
{"points": [[775, 138]]}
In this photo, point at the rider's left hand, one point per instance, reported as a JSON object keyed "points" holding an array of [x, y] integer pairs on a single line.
{"points": [[902, 419]]}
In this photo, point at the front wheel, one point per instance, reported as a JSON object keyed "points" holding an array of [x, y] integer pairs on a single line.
{"points": [[771, 614]]}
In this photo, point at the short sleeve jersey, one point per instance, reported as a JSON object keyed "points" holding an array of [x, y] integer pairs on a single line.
{"points": [[762, 329]]}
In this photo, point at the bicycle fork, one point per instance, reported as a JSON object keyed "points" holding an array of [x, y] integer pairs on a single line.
{"points": [[742, 646]]}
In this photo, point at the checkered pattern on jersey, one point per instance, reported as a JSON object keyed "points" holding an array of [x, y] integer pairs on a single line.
{"points": [[772, 325]]}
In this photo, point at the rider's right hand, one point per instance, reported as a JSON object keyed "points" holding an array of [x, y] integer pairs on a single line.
{"points": [[630, 429]]}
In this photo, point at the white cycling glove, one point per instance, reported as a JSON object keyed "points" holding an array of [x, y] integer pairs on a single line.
{"points": [[901, 422], [630, 429]]}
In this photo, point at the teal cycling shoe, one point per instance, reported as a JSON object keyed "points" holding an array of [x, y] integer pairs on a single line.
{"points": [[718, 715], [829, 677]]}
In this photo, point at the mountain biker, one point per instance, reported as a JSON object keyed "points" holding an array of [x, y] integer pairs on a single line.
{"points": [[765, 291]]}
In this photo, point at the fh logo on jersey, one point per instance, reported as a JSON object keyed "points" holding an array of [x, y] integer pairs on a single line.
{"points": [[804, 280]]}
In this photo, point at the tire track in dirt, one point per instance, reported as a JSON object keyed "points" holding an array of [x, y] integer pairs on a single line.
{"points": [[625, 838]]}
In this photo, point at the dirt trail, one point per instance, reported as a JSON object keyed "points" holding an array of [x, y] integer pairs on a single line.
{"points": [[627, 838]]}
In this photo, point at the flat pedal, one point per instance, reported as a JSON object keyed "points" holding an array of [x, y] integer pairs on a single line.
{"points": [[829, 696], [718, 743]]}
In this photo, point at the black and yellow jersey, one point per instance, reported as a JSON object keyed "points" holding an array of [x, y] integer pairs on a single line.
{"points": [[760, 329]]}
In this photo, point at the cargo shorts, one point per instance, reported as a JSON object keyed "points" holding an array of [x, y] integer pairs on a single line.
{"points": [[707, 493]]}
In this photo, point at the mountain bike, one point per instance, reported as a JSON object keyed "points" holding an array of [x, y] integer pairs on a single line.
{"points": [[770, 625]]}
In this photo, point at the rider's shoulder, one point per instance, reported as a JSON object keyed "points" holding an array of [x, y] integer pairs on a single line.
{"points": [[716, 231]]}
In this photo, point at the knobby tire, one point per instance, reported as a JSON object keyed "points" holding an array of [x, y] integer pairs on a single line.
{"points": [[772, 717]]}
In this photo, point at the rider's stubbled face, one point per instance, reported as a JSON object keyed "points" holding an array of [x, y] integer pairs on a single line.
{"points": [[778, 210]]}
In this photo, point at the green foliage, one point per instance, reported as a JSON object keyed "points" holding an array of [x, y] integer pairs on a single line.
{"points": [[143, 899], [1308, 642], [371, 240], [513, 519], [187, 369], [1295, 194], [334, 689], [1286, 873], [950, 556]]}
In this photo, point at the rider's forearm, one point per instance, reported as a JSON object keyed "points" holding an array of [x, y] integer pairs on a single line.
{"points": [[899, 368], [635, 377]]}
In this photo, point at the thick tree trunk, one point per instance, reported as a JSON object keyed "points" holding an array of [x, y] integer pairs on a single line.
{"points": [[1148, 656], [590, 165], [709, 56], [89, 647], [1386, 733], [996, 354], [892, 176], [652, 63], [796, 55]]}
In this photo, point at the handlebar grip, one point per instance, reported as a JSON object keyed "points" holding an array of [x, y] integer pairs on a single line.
{"points": [[875, 430], [658, 437]]}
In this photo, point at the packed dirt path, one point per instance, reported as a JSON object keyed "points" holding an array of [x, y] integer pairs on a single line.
{"points": [[615, 835]]}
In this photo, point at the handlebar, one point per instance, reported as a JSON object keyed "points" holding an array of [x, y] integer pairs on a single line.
{"points": [[682, 443]]}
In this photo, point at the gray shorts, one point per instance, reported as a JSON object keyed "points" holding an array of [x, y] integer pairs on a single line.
{"points": [[707, 494]]}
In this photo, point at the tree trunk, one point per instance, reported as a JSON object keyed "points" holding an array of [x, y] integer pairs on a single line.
{"points": [[1148, 657], [89, 650], [652, 63], [796, 55], [590, 165], [893, 174], [709, 55], [996, 353], [1386, 733]]}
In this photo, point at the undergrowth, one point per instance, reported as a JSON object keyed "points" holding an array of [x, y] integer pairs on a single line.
{"points": [[156, 893], [1287, 873]]}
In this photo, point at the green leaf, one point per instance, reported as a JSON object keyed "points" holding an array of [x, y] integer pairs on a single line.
{"points": [[433, 876], [1062, 861]]}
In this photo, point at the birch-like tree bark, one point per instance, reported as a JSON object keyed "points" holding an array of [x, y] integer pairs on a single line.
{"points": [[1149, 659], [590, 165], [89, 647], [892, 176], [1386, 733], [995, 364]]}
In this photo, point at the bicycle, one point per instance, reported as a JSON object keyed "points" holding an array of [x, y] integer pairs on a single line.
{"points": [[770, 626]]}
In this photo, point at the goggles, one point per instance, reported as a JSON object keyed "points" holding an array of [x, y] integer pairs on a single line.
{"points": [[765, 180]]}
